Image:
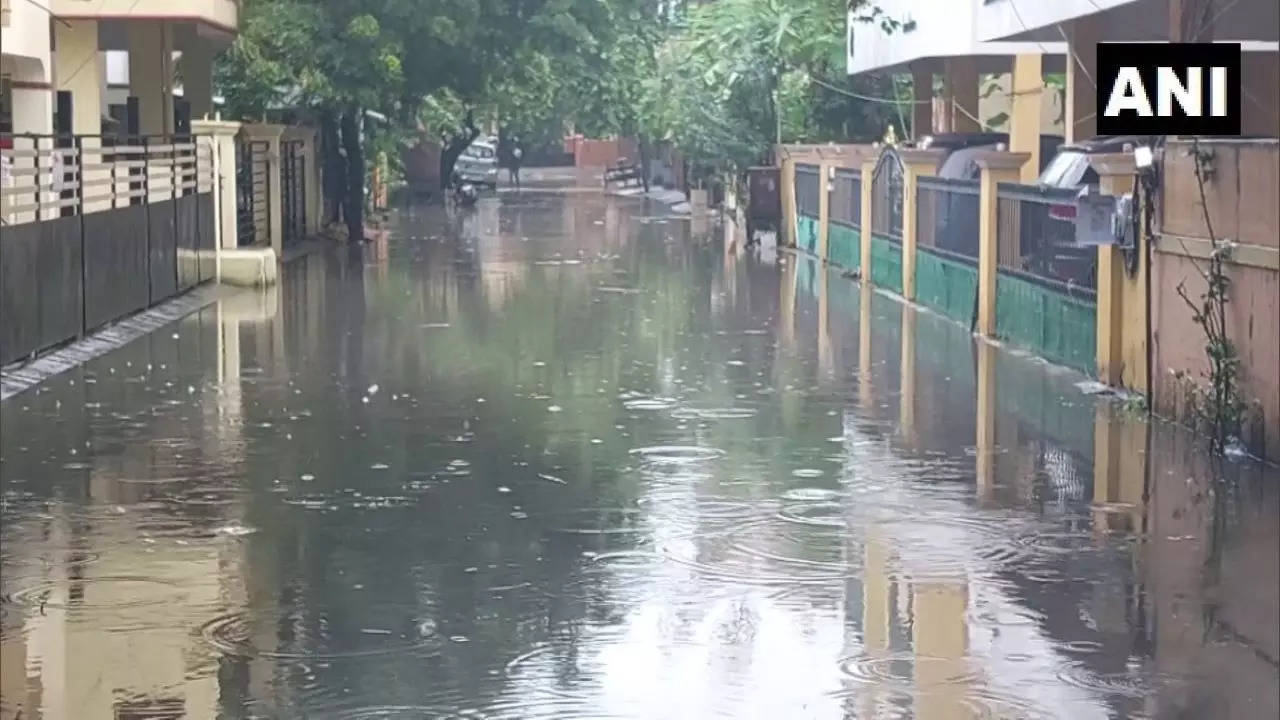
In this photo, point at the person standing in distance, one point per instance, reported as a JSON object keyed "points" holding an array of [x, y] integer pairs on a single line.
{"points": [[516, 155]]}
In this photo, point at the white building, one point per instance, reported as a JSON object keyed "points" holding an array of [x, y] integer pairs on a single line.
{"points": [[1019, 42], [64, 45]]}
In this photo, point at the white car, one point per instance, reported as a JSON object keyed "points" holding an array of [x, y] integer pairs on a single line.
{"points": [[478, 164]]}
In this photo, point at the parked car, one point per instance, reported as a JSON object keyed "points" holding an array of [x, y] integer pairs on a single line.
{"points": [[478, 164], [963, 148], [1070, 167]]}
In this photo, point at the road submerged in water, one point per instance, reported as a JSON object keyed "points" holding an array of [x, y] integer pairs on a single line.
{"points": [[559, 457]]}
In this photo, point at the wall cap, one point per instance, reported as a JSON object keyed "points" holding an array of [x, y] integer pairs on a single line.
{"points": [[268, 132], [1107, 164], [917, 156], [215, 127], [999, 160]]}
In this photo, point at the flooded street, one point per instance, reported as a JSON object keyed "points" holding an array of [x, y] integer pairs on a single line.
{"points": [[559, 457]]}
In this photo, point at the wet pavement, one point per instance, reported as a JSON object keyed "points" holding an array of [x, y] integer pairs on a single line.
{"points": [[557, 457]]}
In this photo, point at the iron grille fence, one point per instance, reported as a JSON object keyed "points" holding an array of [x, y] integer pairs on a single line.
{"points": [[886, 197], [293, 186], [252, 181], [95, 229], [807, 189], [947, 217], [1035, 239], [846, 198]]}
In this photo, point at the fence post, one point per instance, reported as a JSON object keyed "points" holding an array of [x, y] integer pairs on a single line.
{"points": [[914, 164], [864, 223], [996, 167], [84, 272], [826, 173], [787, 186], [1122, 307]]}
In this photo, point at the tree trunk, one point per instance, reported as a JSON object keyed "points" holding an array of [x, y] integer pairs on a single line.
{"points": [[644, 162], [335, 169], [354, 207], [450, 153]]}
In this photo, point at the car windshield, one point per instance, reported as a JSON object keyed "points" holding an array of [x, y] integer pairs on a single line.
{"points": [[1066, 170], [479, 151]]}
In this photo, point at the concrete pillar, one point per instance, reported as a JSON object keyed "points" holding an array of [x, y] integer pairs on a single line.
{"points": [[864, 227], [1122, 307], [197, 78], [940, 637], [1119, 471], [915, 163], [32, 113], [271, 135], [922, 108], [826, 173], [221, 136], [996, 167], [1027, 86], [985, 435], [151, 74], [787, 233], [77, 69], [32, 107], [907, 378], [1082, 71], [961, 93], [787, 286], [826, 353], [312, 192], [866, 388]]}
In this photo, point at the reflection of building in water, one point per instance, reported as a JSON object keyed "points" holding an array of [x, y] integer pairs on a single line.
{"points": [[113, 639]]}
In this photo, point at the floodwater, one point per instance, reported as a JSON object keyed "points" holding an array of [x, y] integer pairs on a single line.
{"points": [[559, 457]]}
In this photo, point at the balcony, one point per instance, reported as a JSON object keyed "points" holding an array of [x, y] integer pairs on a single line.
{"points": [[219, 14]]}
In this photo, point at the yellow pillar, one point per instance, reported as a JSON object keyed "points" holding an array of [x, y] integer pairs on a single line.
{"points": [[1119, 470], [826, 354], [940, 637], [997, 167], [907, 378], [915, 163], [865, 225], [787, 233], [985, 437], [151, 74], [961, 93], [922, 94], [787, 287], [77, 68], [826, 171], [1082, 73], [866, 390], [1122, 306], [1024, 112]]}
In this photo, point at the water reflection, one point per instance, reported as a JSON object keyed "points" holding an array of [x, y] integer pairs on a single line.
{"points": [[556, 457]]}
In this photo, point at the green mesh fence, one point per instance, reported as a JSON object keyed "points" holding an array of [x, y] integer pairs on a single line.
{"points": [[886, 263], [844, 246], [946, 284], [807, 233], [1048, 322]]}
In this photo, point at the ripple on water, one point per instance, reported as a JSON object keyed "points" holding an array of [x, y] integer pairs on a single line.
{"points": [[598, 521], [408, 712], [902, 669], [725, 413], [822, 514], [810, 494], [649, 403], [126, 591], [232, 634], [677, 454]]}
